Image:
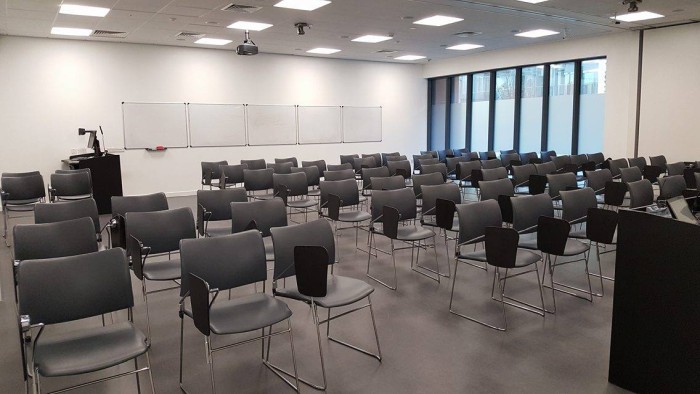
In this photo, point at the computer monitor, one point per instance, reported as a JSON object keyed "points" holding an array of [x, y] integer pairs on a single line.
{"points": [[681, 210]]}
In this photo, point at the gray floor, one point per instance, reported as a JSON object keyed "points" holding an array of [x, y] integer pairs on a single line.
{"points": [[426, 349]]}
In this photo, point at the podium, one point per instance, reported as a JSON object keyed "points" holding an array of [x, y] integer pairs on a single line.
{"points": [[106, 175]]}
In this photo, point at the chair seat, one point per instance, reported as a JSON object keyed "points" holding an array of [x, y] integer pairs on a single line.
{"points": [[354, 216], [218, 231], [261, 196], [88, 350], [413, 233], [523, 258], [574, 247], [341, 291], [314, 192], [478, 255], [304, 203], [269, 249], [530, 244], [162, 270], [20, 204], [578, 234], [244, 314], [74, 198]]}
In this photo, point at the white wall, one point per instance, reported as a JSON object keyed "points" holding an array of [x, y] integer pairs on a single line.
{"points": [[49, 88], [670, 118], [621, 50]]}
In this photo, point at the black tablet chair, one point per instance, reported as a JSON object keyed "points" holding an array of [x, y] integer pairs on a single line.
{"points": [[561, 161], [546, 168], [313, 178], [261, 215], [425, 179], [339, 175], [491, 190], [20, 192], [575, 205], [211, 173], [431, 153], [391, 207], [598, 158], [546, 156], [399, 167], [473, 219], [395, 158], [439, 168], [320, 164], [464, 173], [336, 198], [231, 175], [641, 193], [70, 187], [526, 213], [488, 155], [614, 194], [491, 164], [616, 165], [385, 156], [395, 182], [294, 191], [671, 186], [213, 265], [430, 216], [451, 163], [417, 159], [639, 162], [521, 176], [214, 207], [292, 160], [368, 173], [349, 159], [529, 158], [281, 168], [91, 285], [123, 204], [559, 182], [377, 158], [601, 226], [255, 164], [69, 210], [153, 237], [340, 167], [631, 174], [597, 179], [658, 161], [305, 251], [259, 181]]}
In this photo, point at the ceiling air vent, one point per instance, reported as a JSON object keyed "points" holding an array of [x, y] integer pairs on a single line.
{"points": [[387, 51], [187, 34], [109, 34], [466, 34], [247, 9]]}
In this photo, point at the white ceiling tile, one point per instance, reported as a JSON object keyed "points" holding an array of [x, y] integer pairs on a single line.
{"points": [[34, 5], [141, 5]]}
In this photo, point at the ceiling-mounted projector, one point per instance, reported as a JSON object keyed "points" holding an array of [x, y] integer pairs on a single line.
{"points": [[248, 48]]}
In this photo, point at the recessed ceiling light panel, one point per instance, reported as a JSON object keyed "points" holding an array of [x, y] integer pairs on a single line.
{"points": [[83, 10], [409, 57], [464, 47], [533, 1], [304, 5], [438, 20], [637, 16], [70, 31], [537, 33], [212, 41], [371, 38], [254, 26], [323, 51]]}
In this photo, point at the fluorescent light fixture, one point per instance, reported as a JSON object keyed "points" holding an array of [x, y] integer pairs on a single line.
{"points": [[70, 31], [537, 33], [304, 5], [464, 47], [212, 41], [74, 9], [323, 51], [254, 26], [409, 57], [637, 16], [372, 38], [533, 1], [438, 20]]}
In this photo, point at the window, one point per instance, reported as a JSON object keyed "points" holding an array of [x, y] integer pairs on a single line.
{"points": [[458, 112], [437, 116], [561, 108], [531, 109], [504, 120], [481, 90], [592, 116]]}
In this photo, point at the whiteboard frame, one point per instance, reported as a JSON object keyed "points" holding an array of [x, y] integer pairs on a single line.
{"points": [[187, 123], [245, 126], [381, 125]]}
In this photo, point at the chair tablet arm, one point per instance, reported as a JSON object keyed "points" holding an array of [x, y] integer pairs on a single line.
{"points": [[579, 220], [471, 241], [428, 211], [521, 184], [526, 230]]}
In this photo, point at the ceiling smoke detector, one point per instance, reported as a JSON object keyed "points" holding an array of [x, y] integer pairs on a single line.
{"points": [[300, 26], [632, 5]]}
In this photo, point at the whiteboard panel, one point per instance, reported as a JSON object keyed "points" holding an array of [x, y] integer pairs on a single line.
{"points": [[216, 124], [272, 124], [147, 125], [362, 124], [320, 125]]}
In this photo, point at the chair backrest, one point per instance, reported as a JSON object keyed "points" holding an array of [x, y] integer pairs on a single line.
{"points": [[671, 186], [340, 167], [349, 159], [546, 168], [311, 267], [377, 158], [641, 193], [218, 202], [258, 179], [451, 163], [426, 179], [508, 157], [639, 162], [546, 156], [368, 173], [561, 161], [631, 174], [492, 174], [145, 203], [615, 193], [266, 214], [559, 182], [255, 164], [597, 179], [475, 217], [75, 184], [211, 170], [443, 154], [386, 156], [320, 164], [576, 203], [388, 183], [403, 165], [162, 231], [579, 160], [312, 175], [488, 155], [675, 168], [659, 161], [521, 174], [292, 160], [491, 164], [339, 175], [598, 157], [281, 168], [402, 199], [552, 234], [395, 158], [471, 155], [295, 183], [431, 193], [232, 173], [616, 165], [432, 153], [445, 213], [67, 210], [490, 190], [601, 225], [526, 158], [440, 168], [464, 169], [224, 262], [501, 246], [58, 239], [527, 209], [418, 158], [345, 189], [427, 162], [285, 239], [24, 186], [697, 180], [90, 285]]}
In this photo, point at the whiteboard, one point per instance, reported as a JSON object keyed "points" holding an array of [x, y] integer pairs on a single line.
{"points": [[272, 124], [147, 125], [216, 124], [320, 125], [362, 124]]}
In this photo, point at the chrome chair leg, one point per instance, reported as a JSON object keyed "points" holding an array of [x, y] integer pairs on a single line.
{"points": [[138, 381], [210, 361], [294, 359], [393, 259], [314, 312]]}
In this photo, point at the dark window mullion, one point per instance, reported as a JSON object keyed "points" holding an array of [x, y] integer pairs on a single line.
{"points": [[492, 109], [577, 108], [545, 107], [431, 82], [448, 110], [517, 111], [470, 100]]}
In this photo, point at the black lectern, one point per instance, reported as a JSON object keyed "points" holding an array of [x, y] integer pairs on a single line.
{"points": [[106, 178]]}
